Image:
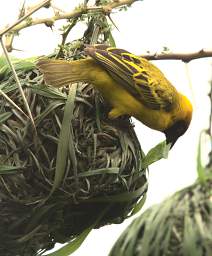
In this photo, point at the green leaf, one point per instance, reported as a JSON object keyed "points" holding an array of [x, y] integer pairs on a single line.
{"points": [[160, 151]]}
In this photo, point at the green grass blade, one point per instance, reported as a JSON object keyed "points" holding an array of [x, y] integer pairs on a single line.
{"points": [[63, 145], [48, 92], [8, 169], [123, 197], [200, 168], [72, 246], [160, 151], [138, 206], [4, 116], [111, 170], [12, 103], [48, 110], [190, 236], [19, 65], [111, 40]]}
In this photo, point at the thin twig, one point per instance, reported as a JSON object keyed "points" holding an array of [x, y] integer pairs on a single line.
{"points": [[18, 82], [11, 28], [64, 36], [185, 57], [10, 36], [2, 33], [112, 21], [12, 102]]}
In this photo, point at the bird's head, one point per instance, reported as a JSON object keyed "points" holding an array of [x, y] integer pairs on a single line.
{"points": [[181, 124], [175, 131]]}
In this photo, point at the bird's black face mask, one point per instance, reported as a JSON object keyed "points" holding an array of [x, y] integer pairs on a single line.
{"points": [[175, 131]]}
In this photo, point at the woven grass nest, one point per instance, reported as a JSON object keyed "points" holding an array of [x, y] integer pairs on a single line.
{"points": [[179, 226], [49, 192]]}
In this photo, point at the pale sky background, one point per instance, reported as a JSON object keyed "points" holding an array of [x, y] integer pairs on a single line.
{"points": [[182, 26]]}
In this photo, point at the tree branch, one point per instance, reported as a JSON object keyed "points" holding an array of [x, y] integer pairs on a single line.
{"points": [[118, 3], [185, 57], [27, 21], [23, 19], [65, 35], [79, 11]]}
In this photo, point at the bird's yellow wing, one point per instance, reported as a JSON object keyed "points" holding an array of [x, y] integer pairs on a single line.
{"points": [[137, 75]]}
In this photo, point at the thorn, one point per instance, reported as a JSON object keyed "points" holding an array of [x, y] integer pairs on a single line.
{"points": [[113, 22], [107, 10], [155, 55], [47, 5], [19, 50], [202, 51], [9, 47], [22, 10], [49, 24]]}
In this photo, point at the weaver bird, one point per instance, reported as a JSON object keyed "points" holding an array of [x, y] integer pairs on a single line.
{"points": [[130, 84]]}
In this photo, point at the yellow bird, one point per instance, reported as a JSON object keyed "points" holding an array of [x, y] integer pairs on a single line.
{"points": [[130, 84]]}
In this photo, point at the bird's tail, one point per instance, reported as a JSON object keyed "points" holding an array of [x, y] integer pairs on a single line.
{"points": [[59, 73]]}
